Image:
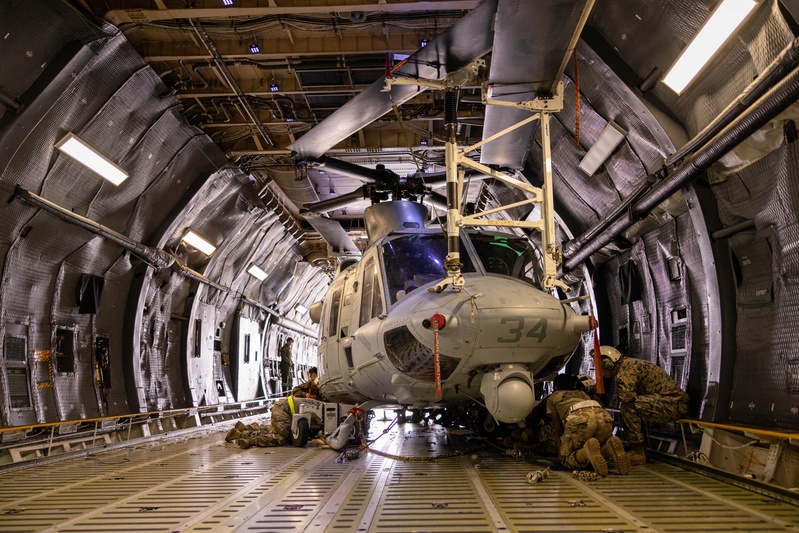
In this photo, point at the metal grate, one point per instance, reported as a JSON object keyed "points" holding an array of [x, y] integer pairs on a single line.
{"points": [[195, 482]]}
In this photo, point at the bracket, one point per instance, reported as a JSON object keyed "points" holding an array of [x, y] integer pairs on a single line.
{"points": [[456, 79]]}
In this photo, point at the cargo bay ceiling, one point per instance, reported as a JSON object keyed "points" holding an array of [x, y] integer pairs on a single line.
{"points": [[212, 107]]}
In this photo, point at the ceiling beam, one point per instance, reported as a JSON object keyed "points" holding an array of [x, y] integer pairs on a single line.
{"points": [[126, 16]]}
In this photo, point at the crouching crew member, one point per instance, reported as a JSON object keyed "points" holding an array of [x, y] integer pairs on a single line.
{"points": [[646, 394], [583, 429]]}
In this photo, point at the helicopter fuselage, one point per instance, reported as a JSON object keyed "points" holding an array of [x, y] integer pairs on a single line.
{"points": [[378, 339]]}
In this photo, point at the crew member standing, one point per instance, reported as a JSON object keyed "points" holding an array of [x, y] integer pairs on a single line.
{"points": [[286, 364], [646, 394]]}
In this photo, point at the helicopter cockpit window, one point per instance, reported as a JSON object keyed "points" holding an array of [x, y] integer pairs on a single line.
{"points": [[508, 256], [371, 296], [414, 260]]}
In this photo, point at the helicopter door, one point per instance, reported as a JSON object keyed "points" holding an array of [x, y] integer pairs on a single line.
{"points": [[329, 342]]}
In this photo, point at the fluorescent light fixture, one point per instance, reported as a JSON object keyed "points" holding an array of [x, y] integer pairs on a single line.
{"points": [[607, 141], [227, 3], [301, 309], [83, 153], [256, 272], [254, 49], [192, 239], [721, 24], [274, 87]]}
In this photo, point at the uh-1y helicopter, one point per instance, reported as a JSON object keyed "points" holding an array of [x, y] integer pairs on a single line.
{"points": [[455, 315]]}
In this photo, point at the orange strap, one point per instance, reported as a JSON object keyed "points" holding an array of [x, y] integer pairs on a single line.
{"points": [[437, 321]]}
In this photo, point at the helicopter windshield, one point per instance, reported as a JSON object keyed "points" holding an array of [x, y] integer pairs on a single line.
{"points": [[507, 255], [414, 260]]}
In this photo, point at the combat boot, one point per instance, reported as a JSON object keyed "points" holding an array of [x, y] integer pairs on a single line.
{"points": [[232, 435], [613, 450], [245, 443], [241, 426], [637, 455], [590, 452]]}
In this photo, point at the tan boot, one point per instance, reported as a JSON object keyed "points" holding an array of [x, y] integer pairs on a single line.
{"points": [[591, 452], [245, 443], [613, 450], [241, 426], [637, 455], [232, 435]]}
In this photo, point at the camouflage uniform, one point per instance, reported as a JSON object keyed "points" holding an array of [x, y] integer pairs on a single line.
{"points": [[309, 389], [279, 432], [285, 366], [579, 426], [647, 393]]}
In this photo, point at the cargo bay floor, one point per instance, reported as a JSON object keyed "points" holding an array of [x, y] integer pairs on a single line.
{"points": [[197, 482]]}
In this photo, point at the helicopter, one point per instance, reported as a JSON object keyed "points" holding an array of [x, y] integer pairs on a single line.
{"points": [[454, 315]]}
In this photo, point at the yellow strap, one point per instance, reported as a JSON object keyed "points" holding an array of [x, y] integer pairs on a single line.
{"points": [[291, 405]]}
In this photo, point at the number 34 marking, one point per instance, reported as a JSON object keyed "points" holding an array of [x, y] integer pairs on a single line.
{"points": [[538, 331]]}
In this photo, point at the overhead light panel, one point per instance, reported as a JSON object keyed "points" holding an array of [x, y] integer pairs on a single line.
{"points": [[608, 140], [256, 272], [274, 87], [194, 240], [254, 49], [227, 3], [301, 309], [85, 154], [423, 43], [718, 28]]}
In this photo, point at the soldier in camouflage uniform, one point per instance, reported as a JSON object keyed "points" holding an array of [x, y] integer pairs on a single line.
{"points": [[646, 394], [309, 389], [279, 431], [583, 429]]}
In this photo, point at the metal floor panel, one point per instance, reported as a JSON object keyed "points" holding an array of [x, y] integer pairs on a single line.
{"points": [[201, 484]]}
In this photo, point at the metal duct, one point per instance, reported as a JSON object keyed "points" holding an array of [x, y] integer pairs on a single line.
{"points": [[755, 117]]}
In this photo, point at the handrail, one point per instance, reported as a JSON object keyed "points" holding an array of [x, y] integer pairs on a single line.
{"points": [[730, 427], [147, 414]]}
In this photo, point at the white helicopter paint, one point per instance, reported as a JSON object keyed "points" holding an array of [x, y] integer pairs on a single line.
{"points": [[500, 327]]}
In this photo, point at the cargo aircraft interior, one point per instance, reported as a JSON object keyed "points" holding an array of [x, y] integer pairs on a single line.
{"points": [[444, 204]]}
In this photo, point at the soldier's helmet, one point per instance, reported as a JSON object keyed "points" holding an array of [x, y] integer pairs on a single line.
{"points": [[610, 356]]}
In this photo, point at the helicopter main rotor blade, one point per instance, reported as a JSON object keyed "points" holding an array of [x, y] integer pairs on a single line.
{"points": [[337, 202], [540, 36], [468, 39], [334, 234]]}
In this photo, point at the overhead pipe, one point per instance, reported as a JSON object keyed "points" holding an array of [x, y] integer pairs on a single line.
{"points": [[219, 63], [733, 229], [787, 60], [771, 104], [156, 257], [777, 69]]}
